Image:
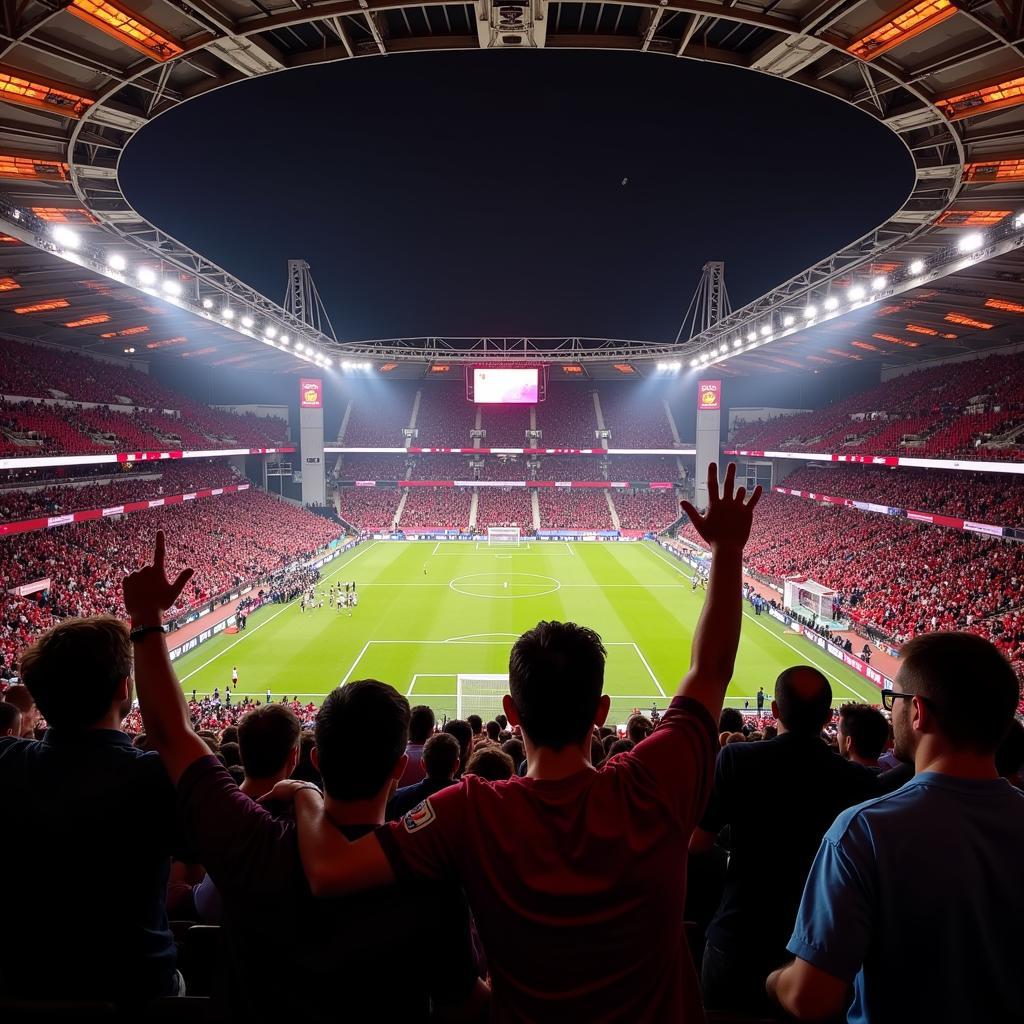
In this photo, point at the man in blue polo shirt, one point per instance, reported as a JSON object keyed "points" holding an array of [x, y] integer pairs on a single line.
{"points": [[90, 828], [916, 897]]}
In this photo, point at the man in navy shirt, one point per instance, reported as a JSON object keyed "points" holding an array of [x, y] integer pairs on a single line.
{"points": [[441, 762], [90, 831], [916, 897]]}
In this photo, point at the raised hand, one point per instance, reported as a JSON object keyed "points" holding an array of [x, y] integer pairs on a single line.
{"points": [[147, 591], [728, 518]]}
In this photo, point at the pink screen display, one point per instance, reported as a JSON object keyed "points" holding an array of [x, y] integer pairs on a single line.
{"points": [[508, 386]]}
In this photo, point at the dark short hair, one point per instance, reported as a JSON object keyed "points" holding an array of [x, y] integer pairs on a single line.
{"points": [[361, 732], [229, 734], [515, 749], [10, 716], [556, 674], [622, 746], [639, 727], [267, 735], [970, 687], [804, 699], [492, 764], [730, 720], [463, 732], [476, 723], [493, 730], [421, 723], [441, 754], [866, 727], [230, 754], [502, 721], [74, 670]]}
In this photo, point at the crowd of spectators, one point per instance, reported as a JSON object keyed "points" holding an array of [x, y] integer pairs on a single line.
{"points": [[506, 425], [131, 483], [538, 866], [437, 506], [370, 508], [931, 412], [895, 576], [635, 417], [567, 419], [161, 418], [564, 508], [227, 540], [445, 417], [980, 497], [376, 416], [500, 507], [645, 510]]}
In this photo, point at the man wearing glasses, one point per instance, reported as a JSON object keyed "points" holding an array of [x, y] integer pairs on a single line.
{"points": [[915, 898]]}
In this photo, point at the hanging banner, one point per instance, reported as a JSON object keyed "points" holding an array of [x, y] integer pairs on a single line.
{"points": [[311, 393], [709, 395]]}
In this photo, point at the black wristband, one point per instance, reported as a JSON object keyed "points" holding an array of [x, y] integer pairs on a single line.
{"points": [[139, 632]]}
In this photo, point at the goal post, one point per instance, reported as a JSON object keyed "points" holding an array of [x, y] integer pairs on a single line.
{"points": [[503, 536], [803, 595], [481, 695]]}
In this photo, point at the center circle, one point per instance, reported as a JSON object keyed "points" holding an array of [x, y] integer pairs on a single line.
{"points": [[504, 585]]}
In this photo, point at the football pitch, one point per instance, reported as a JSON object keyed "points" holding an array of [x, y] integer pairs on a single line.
{"points": [[429, 612]]}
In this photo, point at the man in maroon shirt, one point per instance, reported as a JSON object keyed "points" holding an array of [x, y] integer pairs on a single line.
{"points": [[576, 876]]}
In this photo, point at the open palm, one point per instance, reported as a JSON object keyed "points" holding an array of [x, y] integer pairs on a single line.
{"points": [[728, 518]]}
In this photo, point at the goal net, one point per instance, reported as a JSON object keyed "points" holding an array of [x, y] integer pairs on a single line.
{"points": [[480, 695], [503, 536], [807, 597]]}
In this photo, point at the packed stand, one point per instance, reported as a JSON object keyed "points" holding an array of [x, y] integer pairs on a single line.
{"points": [[445, 417], [498, 507], [164, 478], [646, 510], [635, 418], [564, 508], [228, 539], [446, 507], [378, 416], [941, 411], [369, 508], [373, 467], [980, 497], [567, 418], [506, 425]]}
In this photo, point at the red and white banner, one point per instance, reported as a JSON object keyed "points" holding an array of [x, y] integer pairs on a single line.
{"points": [[30, 588], [342, 450], [87, 515], [965, 465], [113, 457]]}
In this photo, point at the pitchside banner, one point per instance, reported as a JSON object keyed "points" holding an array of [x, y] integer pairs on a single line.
{"points": [[709, 395], [311, 393]]}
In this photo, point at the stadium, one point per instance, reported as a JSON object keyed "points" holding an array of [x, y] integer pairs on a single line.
{"points": [[405, 509]]}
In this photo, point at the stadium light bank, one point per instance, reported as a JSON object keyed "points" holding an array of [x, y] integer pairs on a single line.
{"points": [[967, 249], [68, 244]]}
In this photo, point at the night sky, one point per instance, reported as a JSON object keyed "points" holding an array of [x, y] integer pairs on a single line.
{"points": [[480, 193]]}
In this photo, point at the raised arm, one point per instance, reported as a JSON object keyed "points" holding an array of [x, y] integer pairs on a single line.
{"points": [[725, 527], [147, 595]]}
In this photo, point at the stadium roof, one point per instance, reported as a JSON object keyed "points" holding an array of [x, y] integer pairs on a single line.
{"points": [[79, 78]]}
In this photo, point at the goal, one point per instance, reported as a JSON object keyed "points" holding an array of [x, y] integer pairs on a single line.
{"points": [[806, 596], [503, 536], [480, 695]]}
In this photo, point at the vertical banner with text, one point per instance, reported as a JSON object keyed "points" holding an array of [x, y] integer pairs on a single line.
{"points": [[709, 437], [311, 393], [709, 395]]}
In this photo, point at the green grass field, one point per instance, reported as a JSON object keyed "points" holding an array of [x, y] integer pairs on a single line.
{"points": [[418, 630]]}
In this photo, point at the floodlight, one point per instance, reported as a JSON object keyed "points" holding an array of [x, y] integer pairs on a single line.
{"points": [[271, 331], [917, 267], [228, 313], [856, 293], [66, 237], [723, 350], [284, 339], [971, 243], [788, 320], [300, 347], [146, 275], [328, 362], [207, 303], [1018, 221], [831, 303], [766, 330], [661, 368], [693, 363], [751, 336], [878, 283], [247, 321], [810, 312], [171, 286], [737, 343], [116, 261]]}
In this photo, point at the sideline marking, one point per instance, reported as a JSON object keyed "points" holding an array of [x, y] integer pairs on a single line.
{"points": [[772, 633], [255, 629], [640, 654]]}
